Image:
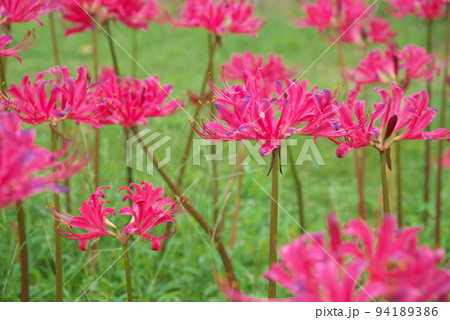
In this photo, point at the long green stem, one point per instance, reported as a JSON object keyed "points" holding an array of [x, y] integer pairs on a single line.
{"points": [[58, 252], [134, 52], [444, 99], [126, 260], [384, 182], [24, 276], [230, 275], [129, 169], [111, 48], [426, 190], [97, 138], [237, 201], [273, 235], [212, 50], [398, 175], [298, 185], [54, 39]]}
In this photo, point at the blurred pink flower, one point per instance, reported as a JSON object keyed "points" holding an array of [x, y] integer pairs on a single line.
{"points": [[149, 210], [24, 166], [446, 159], [220, 17], [58, 99], [26, 44], [133, 13], [271, 71], [394, 65], [426, 9], [348, 20], [388, 265], [132, 101], [16, 11], [249, 115], [93, 220], [394, 118]]}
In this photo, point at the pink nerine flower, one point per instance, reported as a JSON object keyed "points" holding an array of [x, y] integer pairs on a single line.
{"points": [[245, 113], [386, 265], [15, 11], [271, 71], [132, 101], [426, 9], [58, 99], [93, 220], [394, 118], [220, 17], [149, 210], [24, 166], [26, 44], [394, 65], [133, 13], [348, 20]]}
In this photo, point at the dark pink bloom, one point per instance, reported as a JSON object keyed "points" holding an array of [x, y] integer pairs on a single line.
{"points": [[386, 265], [93, 220], [149, 210], [26, 44], [245, 113], [394, 65], [394, 118], [426, 9], [132, 101], [220, 17], [348, 20], [24, 166], [133, 13], [15, 11], [271, 71], [57, 99]]}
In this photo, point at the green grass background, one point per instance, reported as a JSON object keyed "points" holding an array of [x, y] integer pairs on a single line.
{"points": [[184, 271]]}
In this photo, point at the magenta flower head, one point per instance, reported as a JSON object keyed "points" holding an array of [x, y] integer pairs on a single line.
{"points": [[394, 118], [132, 101], [271, 71], [149, 210], [385, 265], [245, 113], [5, 41], [220, 17], [394, 65], [58, 99], [17, 11], [348, 20], [425, 9], [25, 168]]}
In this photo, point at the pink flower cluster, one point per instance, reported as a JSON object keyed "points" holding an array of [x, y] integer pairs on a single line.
{"points": [[349, 20], [131, 101], [270, 71], [25, 168], [395, 65], [426, 9], [148, 211], [5, 41], [250, 115], [133, 13], [356, 265], [16, 11], [220, 17], [398, 118], [60, 98]]}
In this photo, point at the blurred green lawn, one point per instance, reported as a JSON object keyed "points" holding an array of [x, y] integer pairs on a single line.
{"points": [[184, 271]]}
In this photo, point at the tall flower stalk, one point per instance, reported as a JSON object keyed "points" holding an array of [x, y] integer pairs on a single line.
{"points": [[444, 99], [273, 233], [299, 188], [126, 261]]}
